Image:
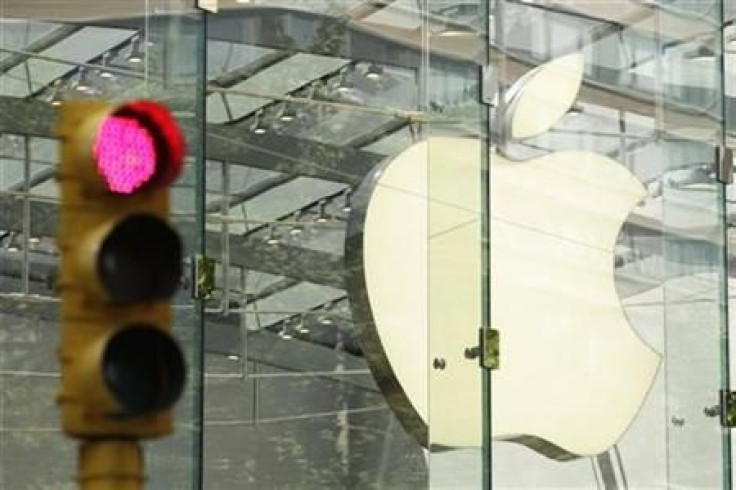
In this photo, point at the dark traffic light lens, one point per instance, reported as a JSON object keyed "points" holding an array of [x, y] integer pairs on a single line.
{"points": [[144, 369], [140, 260]]}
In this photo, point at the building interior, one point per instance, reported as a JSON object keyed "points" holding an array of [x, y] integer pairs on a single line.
{"points": [[290, 110]]}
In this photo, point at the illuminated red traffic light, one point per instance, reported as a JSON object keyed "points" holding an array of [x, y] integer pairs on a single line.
{"points": [[137, 147], [125, 153], [121, 265]]}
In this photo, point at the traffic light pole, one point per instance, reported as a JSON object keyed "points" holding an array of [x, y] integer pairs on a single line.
{"points": [[110, 464]]}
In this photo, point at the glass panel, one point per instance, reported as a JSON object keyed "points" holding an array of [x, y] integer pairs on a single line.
{"points": [[729, 43], [456, 149], [607, 245], [49, 54], [694, 244], [175, 48], [307, 104], [343, 193]]}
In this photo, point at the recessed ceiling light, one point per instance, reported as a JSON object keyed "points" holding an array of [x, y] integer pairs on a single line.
{"points": [[347, 206], [272, 238], [83, 84], [259, 126], [701, 53], [322, 216], [374, 72], [288, 113], [136, 55], [104, 72]]}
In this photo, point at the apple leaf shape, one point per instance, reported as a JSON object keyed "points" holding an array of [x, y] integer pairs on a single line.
{"points": [[540, 98], [573, 373]]}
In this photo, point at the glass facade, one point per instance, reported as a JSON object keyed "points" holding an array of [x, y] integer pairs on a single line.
{"points": [[383, 187], [651, 102]]}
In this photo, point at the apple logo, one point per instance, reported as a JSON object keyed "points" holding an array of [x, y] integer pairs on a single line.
{"points": [[573, 373]]}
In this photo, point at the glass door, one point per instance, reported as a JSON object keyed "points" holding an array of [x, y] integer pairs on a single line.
{"points": [[344, 183], [695, 248], [311, 379], [608, 254]]}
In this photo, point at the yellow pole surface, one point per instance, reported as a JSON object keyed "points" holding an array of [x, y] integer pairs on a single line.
{"points": [[110, 465]]}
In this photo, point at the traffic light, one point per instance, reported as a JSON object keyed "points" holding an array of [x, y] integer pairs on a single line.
{"points": [[122, 371]]}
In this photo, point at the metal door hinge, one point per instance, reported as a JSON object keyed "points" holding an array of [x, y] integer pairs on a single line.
{"points": [[490, 347], [488, 85], [724, 165], [728, 408], [203, 277], [488, 350]]}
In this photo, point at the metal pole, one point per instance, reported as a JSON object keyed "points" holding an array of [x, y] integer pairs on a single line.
{"points": [[109, 464]]}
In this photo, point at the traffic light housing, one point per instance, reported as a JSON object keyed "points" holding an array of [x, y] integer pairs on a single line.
{"points": [[121, 261]]}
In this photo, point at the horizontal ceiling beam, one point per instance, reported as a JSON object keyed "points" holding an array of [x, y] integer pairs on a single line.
{"points": [[250, 253], [244, 72], [360, 37], [396, 46], [285, 154], [41, 44], [674, 117], [311, 355], [254, 253], [250, 192]]}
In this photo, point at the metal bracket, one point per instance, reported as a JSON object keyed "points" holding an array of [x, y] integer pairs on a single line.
{"points": [[728, 408], [724, 165], [488, 84], [203, 275], [488, 350]]}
